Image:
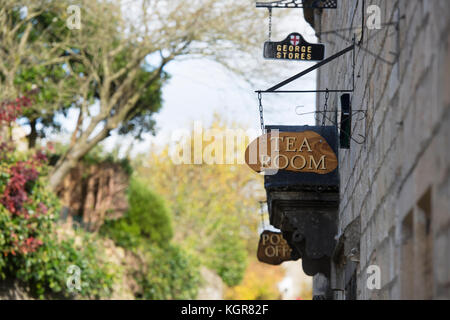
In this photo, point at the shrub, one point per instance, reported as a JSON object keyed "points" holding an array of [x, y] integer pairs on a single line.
{"points": [[171, 274], [46, 271], [168, 271], [228, 256], [147, 219], [29, 249]]}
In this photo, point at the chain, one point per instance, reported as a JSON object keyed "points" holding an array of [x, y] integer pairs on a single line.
{"points": [[325, 107], [261, 112], [270, 24]]}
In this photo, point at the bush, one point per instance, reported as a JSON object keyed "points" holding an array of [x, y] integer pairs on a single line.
{"points": [[168, 272], [46, 271], [147, 219], [228, 256], [171, 274], [29, 249]]}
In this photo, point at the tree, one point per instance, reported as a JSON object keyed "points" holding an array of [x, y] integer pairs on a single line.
{"points": [[106, 59], [33, 38]]}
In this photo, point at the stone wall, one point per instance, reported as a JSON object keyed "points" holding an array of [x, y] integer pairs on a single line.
{"points": [[395, 185]]}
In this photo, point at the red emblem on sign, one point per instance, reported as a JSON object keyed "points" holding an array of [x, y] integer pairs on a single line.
{"points": [[295, 40]]}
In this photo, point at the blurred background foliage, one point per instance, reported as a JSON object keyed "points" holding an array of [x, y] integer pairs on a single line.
{"points": [[180, 218], [214, 207], [146, 221], [259, 283]]}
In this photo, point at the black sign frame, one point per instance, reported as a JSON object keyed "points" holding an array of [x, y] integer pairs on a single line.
{"points": [[294, 48]]}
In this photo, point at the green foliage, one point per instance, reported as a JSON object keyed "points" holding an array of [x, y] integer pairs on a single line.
{"points": [[213, 206], [227, 256], [56, 86], [123, 233], [58, 81], [147, 219], [171, 274], [31, 252], [46, 271]]}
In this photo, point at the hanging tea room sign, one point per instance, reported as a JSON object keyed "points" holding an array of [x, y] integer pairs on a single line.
{"points": [[306, 152]]}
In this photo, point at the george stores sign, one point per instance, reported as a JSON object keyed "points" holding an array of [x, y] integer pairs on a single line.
{"points": [[294, 48]]}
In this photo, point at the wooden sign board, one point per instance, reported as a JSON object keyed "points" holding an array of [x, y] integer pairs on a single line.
{"points": [[273, 248], [305, 151], [294, 48]]}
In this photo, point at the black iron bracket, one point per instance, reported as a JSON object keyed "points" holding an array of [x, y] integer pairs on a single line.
{"points": [[362, 115], [275, 88]]}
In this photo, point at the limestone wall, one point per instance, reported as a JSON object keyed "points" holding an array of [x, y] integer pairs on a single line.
{"points": [[397, 182]]}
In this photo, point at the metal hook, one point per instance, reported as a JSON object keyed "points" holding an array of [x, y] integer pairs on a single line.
{"points": [[363, 114], [359, 142], [300, 114]]}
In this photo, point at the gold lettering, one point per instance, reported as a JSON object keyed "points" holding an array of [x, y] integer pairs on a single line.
{"points": [[277, 140], [265, 161], [308, 57], [265, 239], [290, 144], [276, 241], [309, 49], [305, 144], [297, 56], [276, 161], [316, 165], [293, 162], [272, 254]]}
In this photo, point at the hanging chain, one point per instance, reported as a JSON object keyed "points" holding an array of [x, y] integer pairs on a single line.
{"points": [[325, 107], [261, 112], [270, 24]]}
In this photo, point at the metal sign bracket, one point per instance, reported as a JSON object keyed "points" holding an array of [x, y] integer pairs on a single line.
{"points": [[275, 88]]}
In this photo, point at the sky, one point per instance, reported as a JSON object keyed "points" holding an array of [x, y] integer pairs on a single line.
{"points": [[200, 88]]}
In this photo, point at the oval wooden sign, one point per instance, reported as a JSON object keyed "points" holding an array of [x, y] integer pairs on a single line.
{"points": [[292, 151], [273, 248]]}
